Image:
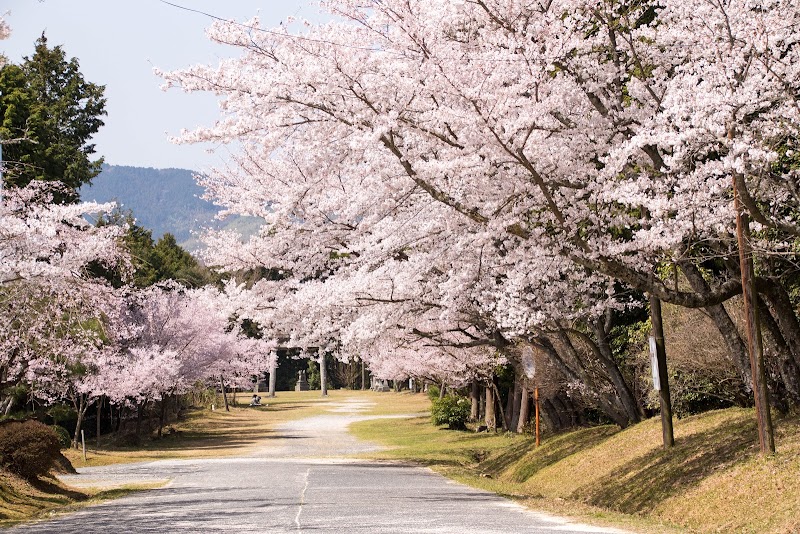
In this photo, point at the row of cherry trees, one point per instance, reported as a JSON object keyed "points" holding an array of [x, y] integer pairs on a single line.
{"points": [[71, 336], [76, 329], [447, 182]]}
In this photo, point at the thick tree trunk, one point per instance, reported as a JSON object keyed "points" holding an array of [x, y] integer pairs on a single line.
{"points": [[786, 390], [273, 377], [323, 375], [475, 398], [517, 401], [784, 314], [491, 419]]}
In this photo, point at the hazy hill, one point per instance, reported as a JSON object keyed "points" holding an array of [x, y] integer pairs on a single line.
{"points": [[162, 200]]}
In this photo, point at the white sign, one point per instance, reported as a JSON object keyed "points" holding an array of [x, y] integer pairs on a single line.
{"points": [[654, 364], [528, 362]]}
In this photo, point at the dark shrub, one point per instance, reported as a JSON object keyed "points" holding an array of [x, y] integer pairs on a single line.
{"points": [[452, 411], [64, 439], [28, 448]]}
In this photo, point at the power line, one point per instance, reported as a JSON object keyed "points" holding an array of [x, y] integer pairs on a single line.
{"points": [[273, 32]]}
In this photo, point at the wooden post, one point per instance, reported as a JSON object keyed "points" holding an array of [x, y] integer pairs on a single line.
{"points": [[663, 377], [755, 345], [536, 401]]}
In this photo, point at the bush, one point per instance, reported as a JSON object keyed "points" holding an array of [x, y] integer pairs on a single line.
{"points": [[64, 439], [452, 411], [28, 448], [433, 392]]}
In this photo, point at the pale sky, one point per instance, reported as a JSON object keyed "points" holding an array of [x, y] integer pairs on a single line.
{"points": [[118, 43]]}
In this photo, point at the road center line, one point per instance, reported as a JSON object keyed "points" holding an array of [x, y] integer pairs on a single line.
{"points": [[302, 500]]}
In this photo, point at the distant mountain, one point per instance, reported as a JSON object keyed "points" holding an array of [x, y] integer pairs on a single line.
{"points": [[162, 200]]}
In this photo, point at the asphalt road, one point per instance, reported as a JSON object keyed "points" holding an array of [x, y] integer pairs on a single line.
{"points": [[300, 481]]}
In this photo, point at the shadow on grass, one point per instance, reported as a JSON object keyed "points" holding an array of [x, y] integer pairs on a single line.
{"points": [[641, 484], [557, 448]]}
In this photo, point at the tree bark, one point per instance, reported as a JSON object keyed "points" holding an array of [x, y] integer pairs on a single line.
{"points": [[323, 375], [516, 408], [491, 419], [524, 407], [475, 398], [224, 393], [725, 325], [81, 409]]}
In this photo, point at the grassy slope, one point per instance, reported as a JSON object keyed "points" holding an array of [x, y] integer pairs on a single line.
{"points": [[712, 481]]}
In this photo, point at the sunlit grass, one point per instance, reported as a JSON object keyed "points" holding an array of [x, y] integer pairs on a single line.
{"points": [[712, 481]]}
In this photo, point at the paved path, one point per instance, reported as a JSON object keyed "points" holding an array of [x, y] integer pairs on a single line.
{"points": [[298, 482]]}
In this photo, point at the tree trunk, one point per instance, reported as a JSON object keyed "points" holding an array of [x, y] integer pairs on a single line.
{"points": [[491, 419], [475, 398], [515, 408], [500, 406], [621, 387], [787, 389], [323, 375], [81, 409], [224, 393], [99, 414], [610, 406], [524, 407], [162, 415], [273, 377], [724, 323]]}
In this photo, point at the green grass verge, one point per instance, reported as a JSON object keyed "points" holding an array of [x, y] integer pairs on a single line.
{"points": [[713, 480]]}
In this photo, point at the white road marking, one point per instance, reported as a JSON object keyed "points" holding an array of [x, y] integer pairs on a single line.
{"points": [[302, 500]]}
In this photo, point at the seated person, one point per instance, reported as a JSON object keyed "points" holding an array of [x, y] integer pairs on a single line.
{"points": [[255, 401]]}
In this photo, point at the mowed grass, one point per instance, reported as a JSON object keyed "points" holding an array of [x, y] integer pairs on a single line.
{"points": [[714, 480], [204, 433]]}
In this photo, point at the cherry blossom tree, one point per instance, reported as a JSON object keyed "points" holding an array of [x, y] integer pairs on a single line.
{"points": [[536, 164]]}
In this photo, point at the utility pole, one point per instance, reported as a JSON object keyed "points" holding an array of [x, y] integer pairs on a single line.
{"points": [[755, 344], [660, 376]]}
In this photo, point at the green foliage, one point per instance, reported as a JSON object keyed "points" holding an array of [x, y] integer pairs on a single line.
{"points": [[451, 410], [154, 262], [61, 413], [433, 392], [51, 113], [64, 439], [28, 448]]}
